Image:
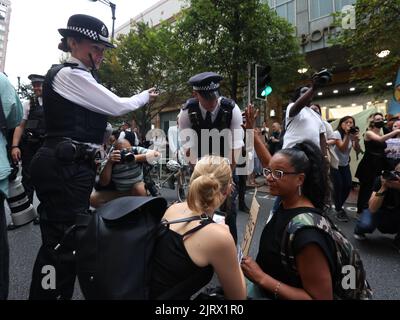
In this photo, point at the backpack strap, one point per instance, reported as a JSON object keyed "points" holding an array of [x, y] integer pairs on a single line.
{"points": [[202, 224], [205, 220]]}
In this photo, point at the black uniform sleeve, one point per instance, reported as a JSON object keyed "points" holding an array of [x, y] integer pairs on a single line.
{"points": [[307, 236]]}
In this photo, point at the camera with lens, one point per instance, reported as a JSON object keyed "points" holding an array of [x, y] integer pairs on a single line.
{"points": [[354, 130], [390, 175], [127, 156], [322, 77]]}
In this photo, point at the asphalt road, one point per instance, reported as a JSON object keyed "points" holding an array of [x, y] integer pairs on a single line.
{"points": [[381, 260]]}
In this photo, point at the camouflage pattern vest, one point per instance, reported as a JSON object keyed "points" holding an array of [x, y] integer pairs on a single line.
{"points": [[350, 282]]}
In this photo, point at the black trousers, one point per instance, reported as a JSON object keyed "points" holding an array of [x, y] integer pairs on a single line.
{"points": [[64, 191], [364, 194], [229, 207], [4, 252], [28, 150], [241, 185]]}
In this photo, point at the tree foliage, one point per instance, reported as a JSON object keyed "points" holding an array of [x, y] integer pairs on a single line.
{"points": [[143, 59], [209, 35], [225, 35], [26, 91], [377, 26]]}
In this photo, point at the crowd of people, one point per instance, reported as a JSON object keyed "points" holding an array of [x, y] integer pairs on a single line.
{"points": [[59, 134]]}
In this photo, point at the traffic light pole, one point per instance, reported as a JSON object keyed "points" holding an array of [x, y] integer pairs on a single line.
{"points": [[249, 83], [265, 109]]}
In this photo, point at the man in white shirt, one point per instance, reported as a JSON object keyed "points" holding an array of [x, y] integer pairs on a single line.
{"points": [[302, 123], [76, 108], [206, 113]]}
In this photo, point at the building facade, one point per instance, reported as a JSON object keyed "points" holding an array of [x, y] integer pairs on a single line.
{"points": [[5, 13], [313, 22], [161, 11]]}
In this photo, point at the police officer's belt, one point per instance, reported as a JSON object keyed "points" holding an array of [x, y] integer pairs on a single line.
{"points": [[71, 151]]}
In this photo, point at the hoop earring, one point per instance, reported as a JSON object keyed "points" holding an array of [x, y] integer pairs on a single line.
{"points": [[299, 188]]}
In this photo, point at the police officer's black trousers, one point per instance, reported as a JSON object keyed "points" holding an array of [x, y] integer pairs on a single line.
{"points": [[28, 150], [241, 185], [4, 252], [64, 191], [229, 207]]}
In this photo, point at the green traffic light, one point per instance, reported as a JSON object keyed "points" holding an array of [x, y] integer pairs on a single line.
{"points": [[267, 91]]}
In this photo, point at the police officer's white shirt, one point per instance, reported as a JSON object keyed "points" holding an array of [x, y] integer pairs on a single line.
{"points": [[26, 105], [306, 125], [80, 87], [236, 124]]}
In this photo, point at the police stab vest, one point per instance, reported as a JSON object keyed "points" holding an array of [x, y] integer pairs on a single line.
{"points": [[65, 118], [221, 122], [35, 124]]}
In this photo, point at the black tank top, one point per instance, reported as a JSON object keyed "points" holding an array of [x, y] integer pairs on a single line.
{"points": [[173, 265]]}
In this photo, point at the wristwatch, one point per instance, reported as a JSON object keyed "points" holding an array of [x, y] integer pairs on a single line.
{"points": [[12, 147], [380, 194]]}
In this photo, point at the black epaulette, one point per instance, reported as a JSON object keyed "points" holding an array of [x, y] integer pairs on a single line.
{"points": [[227, 103], [192, 102]]}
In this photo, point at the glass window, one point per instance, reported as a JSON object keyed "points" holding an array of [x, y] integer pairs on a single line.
{"points": [[285, 9], [320, 8], [339, 4]]}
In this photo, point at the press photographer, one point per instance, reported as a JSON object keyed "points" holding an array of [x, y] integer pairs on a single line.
{"points": [[383, 211], [122, 173]]}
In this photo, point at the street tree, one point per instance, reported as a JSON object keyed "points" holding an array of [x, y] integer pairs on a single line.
{"points": [[225, 35], [376, 24], [143, 59]]}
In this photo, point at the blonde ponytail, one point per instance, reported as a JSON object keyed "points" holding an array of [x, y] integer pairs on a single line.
{"points": [[209, 181]]}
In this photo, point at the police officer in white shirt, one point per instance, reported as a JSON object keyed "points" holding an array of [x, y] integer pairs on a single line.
{"points": [[76, 108], [207, 111]]}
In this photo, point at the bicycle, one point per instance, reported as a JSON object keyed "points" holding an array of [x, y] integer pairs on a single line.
{"points": [[178, 172]]}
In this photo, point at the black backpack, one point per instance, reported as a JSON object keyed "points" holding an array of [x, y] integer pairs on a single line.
{"points": [[115, 245]]}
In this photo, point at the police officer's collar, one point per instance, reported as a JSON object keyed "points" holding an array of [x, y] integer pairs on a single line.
{"points": [[78, 62], [216, 109]]}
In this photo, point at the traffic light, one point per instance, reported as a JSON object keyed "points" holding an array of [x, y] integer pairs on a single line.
{"points": [[263, 79]]}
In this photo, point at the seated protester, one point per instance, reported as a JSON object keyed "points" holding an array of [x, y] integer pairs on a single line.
{"points": [[294, 174], [123, 168], [193, 251], [383, 211]]}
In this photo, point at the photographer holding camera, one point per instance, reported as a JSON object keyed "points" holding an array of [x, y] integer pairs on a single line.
{"points": [[374, 159], [345, 138], [123, 170], [383, 211]]}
